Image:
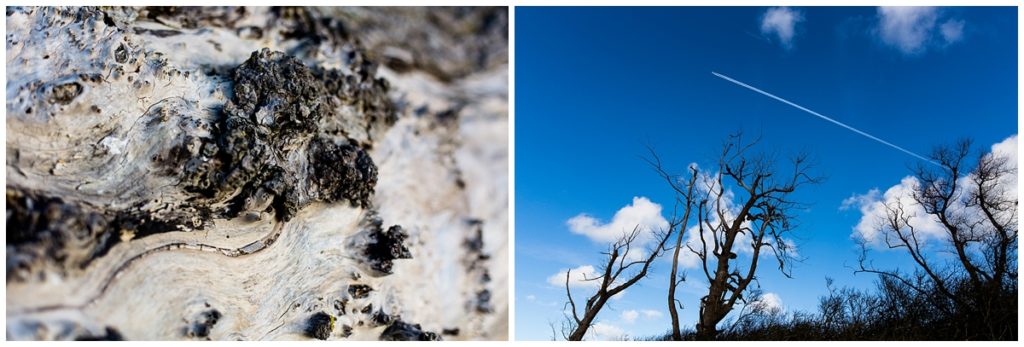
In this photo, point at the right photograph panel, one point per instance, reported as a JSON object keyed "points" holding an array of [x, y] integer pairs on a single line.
{"points": [[766, 173]]}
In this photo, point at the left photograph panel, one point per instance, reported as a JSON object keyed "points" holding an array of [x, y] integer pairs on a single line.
{"points": [[250, 173]]}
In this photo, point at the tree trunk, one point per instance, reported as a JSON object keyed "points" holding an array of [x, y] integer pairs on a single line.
{"points": [[711, 313], [588, 319], [676, 334]]}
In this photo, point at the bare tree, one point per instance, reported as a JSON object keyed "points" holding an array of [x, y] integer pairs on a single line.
{"points": [[762, 218], [755, 312], [977, 213], [616, 275], [684, 190]]}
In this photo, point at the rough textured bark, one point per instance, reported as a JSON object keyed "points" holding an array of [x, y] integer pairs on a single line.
{"points": [[256, 173]]}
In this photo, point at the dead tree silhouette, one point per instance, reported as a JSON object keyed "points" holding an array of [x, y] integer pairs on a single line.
{"points": [[763, 218], [685, 196], [615, 277], [977, 212]]}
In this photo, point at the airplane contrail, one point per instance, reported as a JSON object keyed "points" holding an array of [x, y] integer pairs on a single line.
{"points": [[787, 102]]}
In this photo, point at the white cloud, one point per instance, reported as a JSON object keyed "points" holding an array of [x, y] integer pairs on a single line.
{"points": [[769, 302], [651, 314], [860, 200], [1008, 149], [641, 212], [576, 278], [688, 259], [531, 298], [913, 30], [630, 316], [648, 215], [906, 28], [1007, 183], [874, 208], [605, 331], [874, 205], [952, 30], [781, 22]]}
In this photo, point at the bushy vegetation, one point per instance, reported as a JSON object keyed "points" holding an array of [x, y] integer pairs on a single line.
{"points": [[890, 311]]}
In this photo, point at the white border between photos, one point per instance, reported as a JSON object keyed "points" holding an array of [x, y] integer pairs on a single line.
{"points": [[511, 135]]}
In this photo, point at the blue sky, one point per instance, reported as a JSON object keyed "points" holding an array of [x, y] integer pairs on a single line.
{"points": [[595, 86]]}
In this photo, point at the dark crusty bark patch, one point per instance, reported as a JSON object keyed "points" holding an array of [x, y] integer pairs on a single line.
{"points": [[402, 331], [381, 246], [320, 326]]}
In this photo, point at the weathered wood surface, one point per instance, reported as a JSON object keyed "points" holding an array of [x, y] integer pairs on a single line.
{"points": [[231, 173]]}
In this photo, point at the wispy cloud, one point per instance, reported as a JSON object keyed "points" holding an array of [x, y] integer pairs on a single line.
{"points": [[952, 30], [630, 316], [781, 23], [651, 314], [914, 30]]}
